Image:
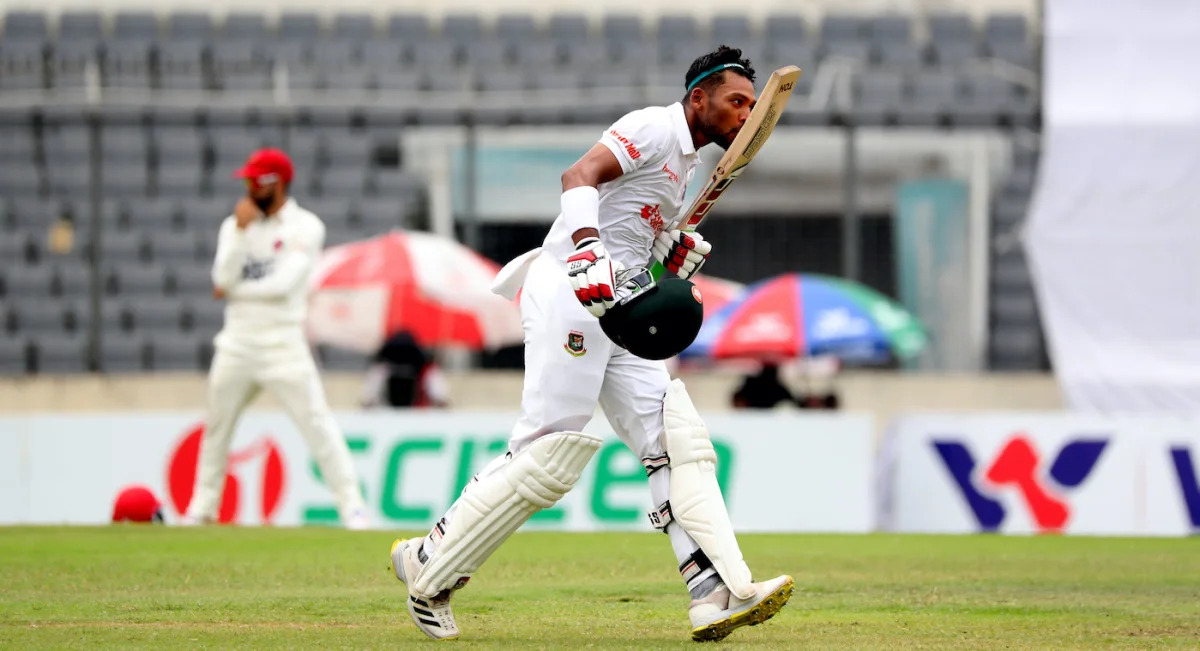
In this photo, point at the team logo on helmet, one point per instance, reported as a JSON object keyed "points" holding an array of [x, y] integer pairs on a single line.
{"points": [[574, 344], [696, 294]]}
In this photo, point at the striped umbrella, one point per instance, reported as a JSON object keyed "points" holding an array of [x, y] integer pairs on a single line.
{"points": [[435, 288], [804, 315]]}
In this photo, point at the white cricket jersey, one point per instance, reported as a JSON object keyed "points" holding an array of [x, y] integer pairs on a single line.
{"points": [[264, 270], [654, 147]]}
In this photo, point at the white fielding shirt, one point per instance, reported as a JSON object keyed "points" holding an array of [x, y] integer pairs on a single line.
{"points": [[658, 160], [264, 271]]}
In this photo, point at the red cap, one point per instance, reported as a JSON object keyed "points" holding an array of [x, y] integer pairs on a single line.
{"points": [[266, 166], [137, 504]]}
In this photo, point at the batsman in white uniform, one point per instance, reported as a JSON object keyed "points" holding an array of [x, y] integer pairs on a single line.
{"points": [[620, 203], [266, 253]]}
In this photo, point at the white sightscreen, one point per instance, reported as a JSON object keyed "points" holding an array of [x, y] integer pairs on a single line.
{"points": [[1114, 227]]}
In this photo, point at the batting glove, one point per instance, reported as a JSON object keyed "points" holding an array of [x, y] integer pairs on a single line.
{"points": [[593, 276], [681, 253]]}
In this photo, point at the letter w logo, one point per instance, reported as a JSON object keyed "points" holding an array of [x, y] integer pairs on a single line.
{"points": [[1017, 465]]}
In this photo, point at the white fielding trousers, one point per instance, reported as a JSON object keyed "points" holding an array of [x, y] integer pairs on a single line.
{"points": [[289, 374]]}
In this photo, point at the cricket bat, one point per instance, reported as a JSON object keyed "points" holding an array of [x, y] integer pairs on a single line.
{"points": [[741, 151]]}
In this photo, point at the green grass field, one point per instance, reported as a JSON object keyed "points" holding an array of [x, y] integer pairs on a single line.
{"points": [[144, 586]]}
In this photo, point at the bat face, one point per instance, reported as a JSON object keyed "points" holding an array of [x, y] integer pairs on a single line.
{"points": [[745, 146], [749, 141]]}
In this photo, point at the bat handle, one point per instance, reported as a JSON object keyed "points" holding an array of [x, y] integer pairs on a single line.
{"points": [[657, 270]]}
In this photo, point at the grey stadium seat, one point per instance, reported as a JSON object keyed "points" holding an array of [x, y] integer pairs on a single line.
{"points": [[205, 315], [129, 182], [462, 28], [396, 183], [178, 181], [678, 28], [14, 356], [158, 214], [25, 26], [353, 27], [730, 29], [20, 180], [28, 281], [348, 151], [189, 26], [135, 26], [61, 353], [115, 316], [244, 26], [782, 28], [191, 279], [568, 27], [622, 28], [342, 183], [408, 26], [72, 281], [382, 54], [80, 26], [435, 54], [516, 27], [487, 53], [931, 97], [879, 96], [299, 26], [123, 247], [35, 317], [537, 53], [332, 211], [122, 352], [179, 351], [172, 248], [156, 313], [204, 216], [132, 282]]}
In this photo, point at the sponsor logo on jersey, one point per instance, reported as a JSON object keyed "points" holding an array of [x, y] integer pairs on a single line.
{"points": [[633, 152], [671, 175], [574, 344], [653, 214], [255, 268]]}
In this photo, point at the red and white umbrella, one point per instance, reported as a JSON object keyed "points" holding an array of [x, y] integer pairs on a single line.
{"points": [[435, 288]]}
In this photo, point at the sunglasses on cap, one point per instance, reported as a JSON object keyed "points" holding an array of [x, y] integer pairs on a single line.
{"points": [[258, 182]]}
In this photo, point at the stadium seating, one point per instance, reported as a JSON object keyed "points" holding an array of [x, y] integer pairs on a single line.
{"points": [[165, 169]]}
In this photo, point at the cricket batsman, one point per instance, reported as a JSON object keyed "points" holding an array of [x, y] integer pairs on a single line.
{"points": [[619, 208], [266, 252]]}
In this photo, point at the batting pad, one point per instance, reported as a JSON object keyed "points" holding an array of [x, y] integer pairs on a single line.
{"points": [[696, 501], [494, 507]]}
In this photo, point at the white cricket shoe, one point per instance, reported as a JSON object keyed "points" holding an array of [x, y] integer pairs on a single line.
{"points": [[432, 616], [716, 615]]}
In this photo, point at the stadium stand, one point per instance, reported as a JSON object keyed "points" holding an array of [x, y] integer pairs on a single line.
{"points": [[165, 169]]}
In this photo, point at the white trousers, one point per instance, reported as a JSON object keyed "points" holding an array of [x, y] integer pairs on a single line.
{"points": [[290, 375], [570, 367]]}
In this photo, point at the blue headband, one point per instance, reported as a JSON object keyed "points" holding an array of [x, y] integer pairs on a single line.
{"points": [[700, 77]]}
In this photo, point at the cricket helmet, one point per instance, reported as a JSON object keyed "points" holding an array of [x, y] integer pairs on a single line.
{"points": [[658, 320]]}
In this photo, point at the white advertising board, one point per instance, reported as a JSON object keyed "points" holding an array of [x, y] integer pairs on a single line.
{"points": [[782, 472], [1041, 473]]}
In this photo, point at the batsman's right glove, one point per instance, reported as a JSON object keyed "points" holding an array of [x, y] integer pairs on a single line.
{"points": [[593, 276]]}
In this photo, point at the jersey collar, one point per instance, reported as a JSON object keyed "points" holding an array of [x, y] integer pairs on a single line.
{"points": [[682, 131]]}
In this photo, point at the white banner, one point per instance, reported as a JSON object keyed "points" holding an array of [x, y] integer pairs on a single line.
{"points": [[779, 472], [1039, 473], [1114, 228]]}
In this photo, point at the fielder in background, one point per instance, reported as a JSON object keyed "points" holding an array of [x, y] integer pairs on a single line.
{"points": [[620, 203], [266, 252]]}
